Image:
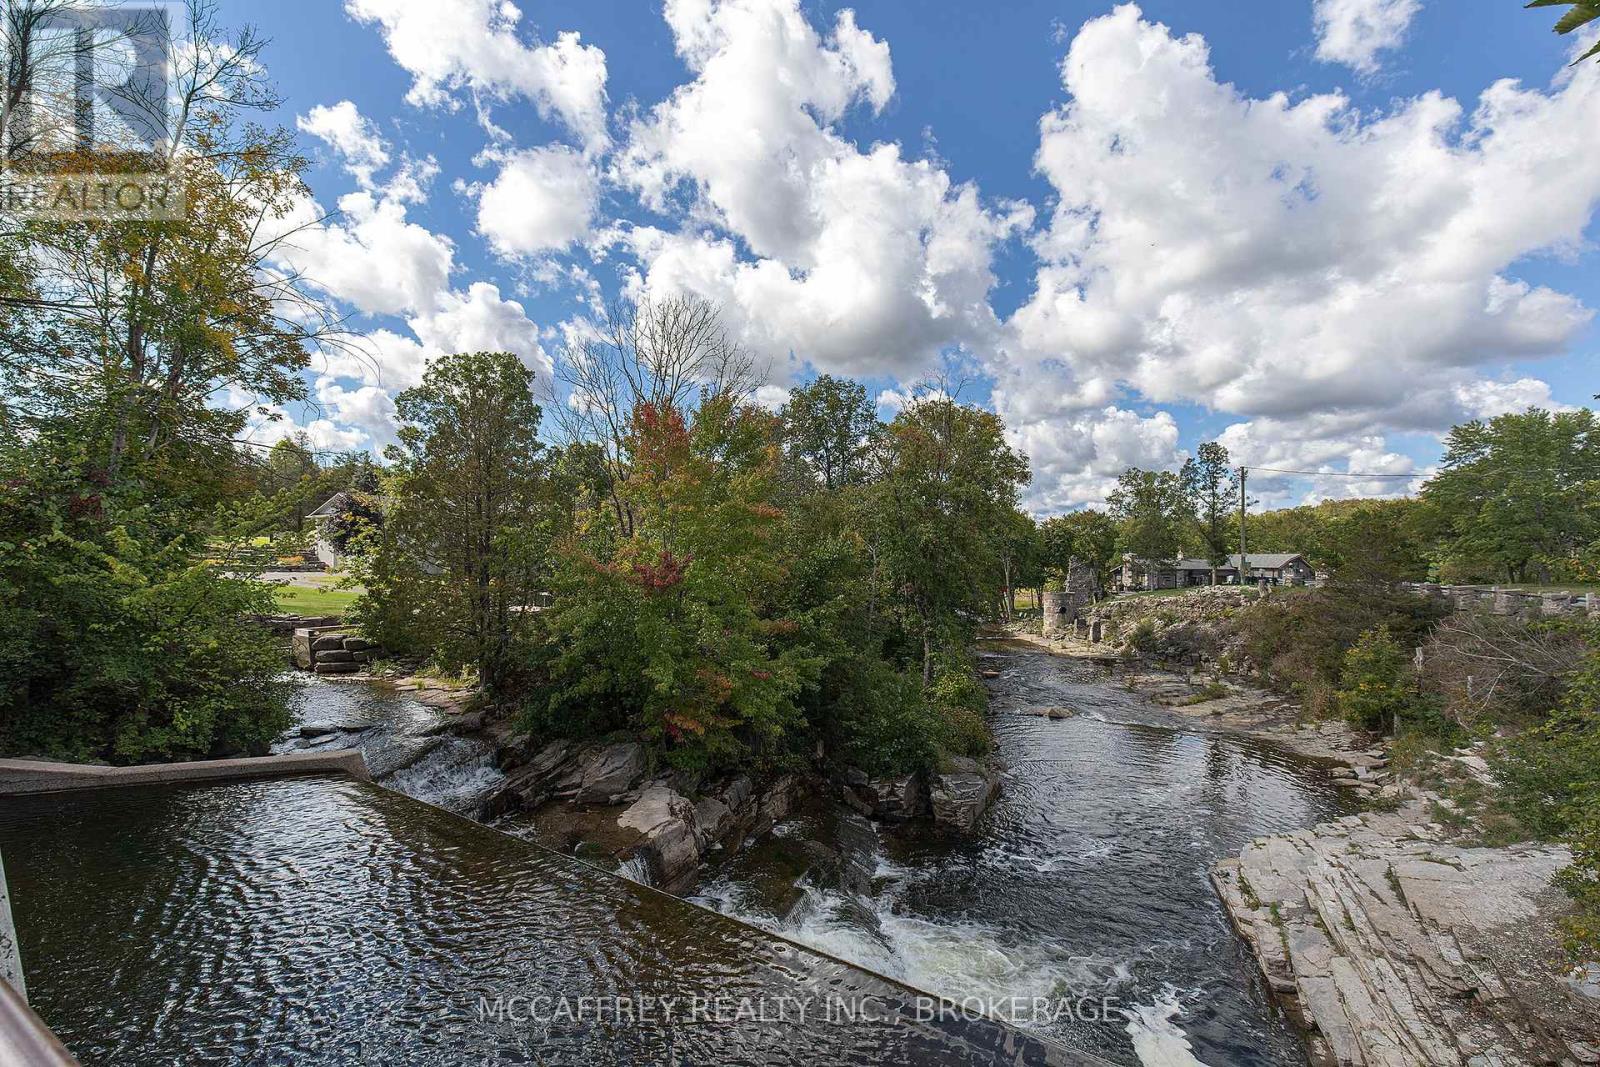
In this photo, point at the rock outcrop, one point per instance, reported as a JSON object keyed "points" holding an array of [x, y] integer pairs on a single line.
{"points": [[962, 792], [885, 799], [608, 774], [621, 811], [670, 836], [1394, 947]]}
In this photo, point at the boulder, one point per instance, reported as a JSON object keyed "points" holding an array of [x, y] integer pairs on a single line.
{"points": [[327, 642], [336, 655], [358, 644], [337, 668], [712, 815], [962, 793], [671, 837], [887, 799], [529, 786], [612, 771], [739, 813], [738, 794], [775, 804]]}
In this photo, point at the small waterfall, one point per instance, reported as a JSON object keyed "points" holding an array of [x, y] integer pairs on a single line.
{"points": [[457, 774], [636, 870]]}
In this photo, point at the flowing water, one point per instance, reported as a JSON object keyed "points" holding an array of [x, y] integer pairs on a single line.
{"points": [[400, 738], [1089, 875], [326, 921], [330, 921]]}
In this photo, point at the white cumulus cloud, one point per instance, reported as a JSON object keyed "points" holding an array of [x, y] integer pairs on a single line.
{"points": [[542, 200], [857, 261], [1353, 32], [343, 128], [447, 45], [1327, 273]]}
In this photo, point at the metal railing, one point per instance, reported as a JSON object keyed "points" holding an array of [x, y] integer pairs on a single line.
{"points": [[24, 1038]]}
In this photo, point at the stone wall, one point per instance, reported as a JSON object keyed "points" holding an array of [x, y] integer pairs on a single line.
{"points": [[286, 625], [1511, 601], [1207, 607], [1061, 610], [328, 651]]}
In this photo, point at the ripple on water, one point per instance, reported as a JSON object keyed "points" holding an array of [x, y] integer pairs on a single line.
{"points": [[1089, 875], [330, 921]]}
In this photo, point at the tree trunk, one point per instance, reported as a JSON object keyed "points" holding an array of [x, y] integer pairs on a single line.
{"points": [[1010, 595], [927, 656]]}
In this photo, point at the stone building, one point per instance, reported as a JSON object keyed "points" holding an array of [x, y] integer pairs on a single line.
{"points": [[1276, 568]]}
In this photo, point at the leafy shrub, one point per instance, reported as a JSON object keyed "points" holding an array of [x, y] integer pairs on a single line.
{"points": [[1298, 640], [1142, 638], [1376, 689], [1581, 881], [118, 645], [1550, 781], [959, 701], [881, 719]]}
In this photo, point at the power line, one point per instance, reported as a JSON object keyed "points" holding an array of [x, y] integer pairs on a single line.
{"points": [[1419, 474], [1331, 474]]}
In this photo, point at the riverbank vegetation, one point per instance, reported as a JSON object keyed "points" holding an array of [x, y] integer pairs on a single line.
{"points": [[1515, 502], [731, 584], [124, 636]]}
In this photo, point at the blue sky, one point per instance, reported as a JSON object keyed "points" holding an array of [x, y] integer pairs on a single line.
{"points": [[1325, 280]]}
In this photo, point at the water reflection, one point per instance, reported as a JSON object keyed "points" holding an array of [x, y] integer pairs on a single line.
{"points": [[330, 921]]}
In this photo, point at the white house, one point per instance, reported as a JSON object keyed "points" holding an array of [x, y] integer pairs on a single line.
{"points": [[322, 515]]}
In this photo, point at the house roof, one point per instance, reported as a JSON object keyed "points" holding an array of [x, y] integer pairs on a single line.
{"points": [[1267, 561], [329, 507]]}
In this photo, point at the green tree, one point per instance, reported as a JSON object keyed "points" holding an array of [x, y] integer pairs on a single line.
{"points": [[121, 641], [465, 541], [136, 332], [1153, 509], [673, 632], [1518, 497], [118, 346], [1376, 689], [1020, 562], [1580, 14], [1216, 488], [1089, 536], [947, 484], [826, 425], [1373, 543]]}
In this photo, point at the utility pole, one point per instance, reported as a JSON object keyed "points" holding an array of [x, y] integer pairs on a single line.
{"points": [[1244, 559]]}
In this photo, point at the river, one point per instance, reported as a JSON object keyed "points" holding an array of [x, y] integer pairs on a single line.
{"points": [[1089, 874], [1086, 879]]}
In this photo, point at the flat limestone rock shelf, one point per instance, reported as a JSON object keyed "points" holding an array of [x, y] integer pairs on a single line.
{"points": [[328, 921], [1398, 948]]}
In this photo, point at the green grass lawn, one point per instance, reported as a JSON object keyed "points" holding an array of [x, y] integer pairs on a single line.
{"points": [[300, 600]]}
